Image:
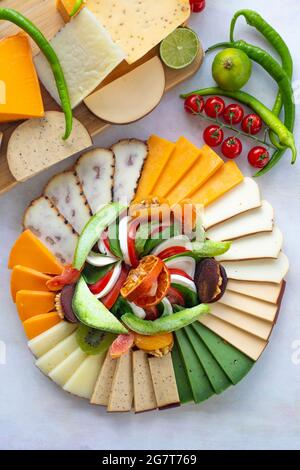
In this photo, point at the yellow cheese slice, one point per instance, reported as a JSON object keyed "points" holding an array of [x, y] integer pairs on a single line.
{"points": [[49, 339], [139, 25], [64, 371], [144, 397], [184, 156], [56, 355], [204, 167], [260, 290], [226, 178], [82, 382], [259, 308]]}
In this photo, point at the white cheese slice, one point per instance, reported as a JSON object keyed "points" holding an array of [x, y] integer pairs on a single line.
{"points": [[95, 170], [65, 192], [62, 373], [121, 395], [259, 270], [104, 382], [87, 55], [258, 308], [249, 344], [249, 323], [82, 382], [260, 245], [139, 25], [52, 229], [260, 290], [243, 197], [42, 343], [57, 354], [164, 381], [253, 221], [120, 101], [130, 156]]}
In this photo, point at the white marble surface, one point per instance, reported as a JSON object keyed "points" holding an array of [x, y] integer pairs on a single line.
{"points": [[261, 412]]}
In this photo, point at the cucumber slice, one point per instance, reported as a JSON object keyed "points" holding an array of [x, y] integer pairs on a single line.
{"points": [[190, 297], [92, 274], [198, 379], [214, 372], [183, 385], [234, 363]]}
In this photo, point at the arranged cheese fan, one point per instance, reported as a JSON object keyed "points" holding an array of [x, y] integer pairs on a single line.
{"points": [[148, 275]]}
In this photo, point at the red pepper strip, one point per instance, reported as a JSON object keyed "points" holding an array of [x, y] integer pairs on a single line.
{"points": [[172, 251], [175, 297], [180, 272], [121, 345], [133, 226], [99, 285], [69, 275], [105, 240], [110, 299]]}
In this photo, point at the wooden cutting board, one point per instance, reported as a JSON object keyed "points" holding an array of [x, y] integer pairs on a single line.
{"points": [[44, 14]]}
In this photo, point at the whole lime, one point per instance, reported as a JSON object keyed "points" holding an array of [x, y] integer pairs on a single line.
{"points": [[231, 69]]}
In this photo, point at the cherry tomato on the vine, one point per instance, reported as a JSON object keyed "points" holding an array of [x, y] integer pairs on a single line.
{"points": [[252, 124], [197, 5], [232, 147], [213, 135], [233, 114], [214, 106], [258, 157], [194, 104]]}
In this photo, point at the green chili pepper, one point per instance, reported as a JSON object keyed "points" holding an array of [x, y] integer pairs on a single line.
{"points": [[24, 23], [76, 7], [286, 138]]}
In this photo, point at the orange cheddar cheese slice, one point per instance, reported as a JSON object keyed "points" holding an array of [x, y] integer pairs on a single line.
{"points": [[23, 278], [226, 178], [31, 302], [65, 8], [160, 151], [34, 326], [29, 251], [21, 95], [183, 157], [204, 167]]}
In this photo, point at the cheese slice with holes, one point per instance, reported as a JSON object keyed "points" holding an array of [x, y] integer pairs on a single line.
{"points": [[65, 192], [260, 245], [259, 308], [82, 382], [259, 270], [253, 221], [52, 229], [49, 339], [57, 354], [243, 197], [267, 291], [63, 371]]}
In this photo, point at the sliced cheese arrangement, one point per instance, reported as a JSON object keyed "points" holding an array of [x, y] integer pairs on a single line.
{"points": [[179, 350]]}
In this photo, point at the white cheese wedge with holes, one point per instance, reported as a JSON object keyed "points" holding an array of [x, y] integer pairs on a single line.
{"points": [[87, 55], [42, 343], [56, 355], [243, 197]]}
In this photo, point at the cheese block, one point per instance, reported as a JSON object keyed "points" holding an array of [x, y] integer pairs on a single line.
{"points": [[182, 381], [95, 170], [253, 221], [120, 101], [136, 26], [66, 7], [259, 270], [204, 167], [23, 278], [249, 344], [121, 395], [65, 192], [104, 382], [87, 55], [56, 355], [130, 155], [184, 156], [243, 197], [50, 338], [52, 229], [260, 245], [255, 326], [164, 382], [226, 178], [82, 382], [31, 302], [63, 371], [258, 308], [29, 251], [144, 397], [20, 94], [160, 151], [37, 144], [267, 291]]}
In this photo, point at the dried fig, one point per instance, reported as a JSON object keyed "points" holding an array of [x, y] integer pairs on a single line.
{"points": [[66, 297], [210, 280]]}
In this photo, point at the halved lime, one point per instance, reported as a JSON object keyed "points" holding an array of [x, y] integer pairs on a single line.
{"points": [[179, 49]]}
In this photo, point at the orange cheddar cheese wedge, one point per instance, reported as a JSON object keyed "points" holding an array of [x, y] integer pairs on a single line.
{"points": [[65, 8], [31, 302], [183, 157], [34, 326], [29, 251], [160, 151], [226, 178], [23, 278], [204, 167], [21, 94]]}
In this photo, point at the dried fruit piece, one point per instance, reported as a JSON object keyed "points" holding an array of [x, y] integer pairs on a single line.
{"points": [[211, 280], [153, 343], [141, 279], [163, 285], [64, 303], [121, 345]]}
